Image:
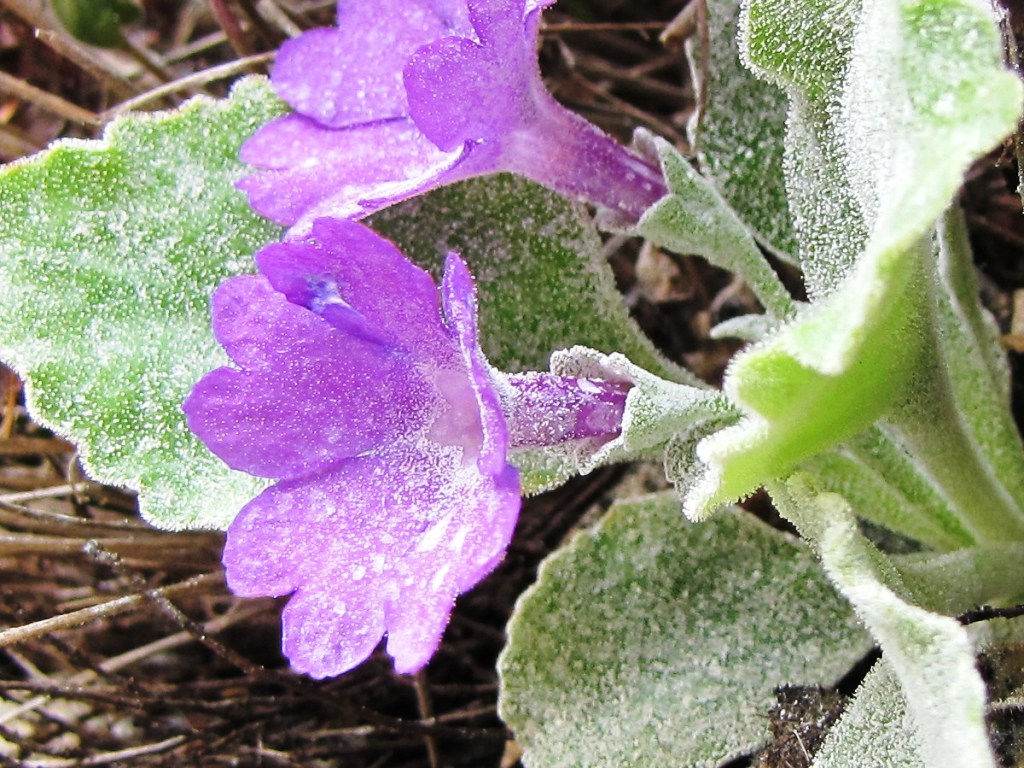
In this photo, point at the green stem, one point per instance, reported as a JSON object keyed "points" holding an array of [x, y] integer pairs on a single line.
{"points": [[884, 485], [954, 582], [957, 424]]}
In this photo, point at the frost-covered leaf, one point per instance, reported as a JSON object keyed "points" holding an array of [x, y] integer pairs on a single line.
{"points": [[976, 460], [543, 283], [931, 655], [868, 177], [890, 101], [653, 642], [804, 47], [815, 383], [875, 730], [694, 219], [883, 483], [959, 581], [738, 132], [744, 328], [109, 251]]}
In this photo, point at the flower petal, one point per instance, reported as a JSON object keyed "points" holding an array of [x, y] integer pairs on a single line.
{"points": [[352, 73], [460, 90], [395, 535], [459, 298], [334, 170], [260, 418], [325, 633], [353, 277]]}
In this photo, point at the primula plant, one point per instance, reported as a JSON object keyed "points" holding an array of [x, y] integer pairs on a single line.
{"points": [[352, 314]]}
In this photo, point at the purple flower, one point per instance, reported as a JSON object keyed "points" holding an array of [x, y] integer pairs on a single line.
{"points": [[407, 95], [365, 396]]}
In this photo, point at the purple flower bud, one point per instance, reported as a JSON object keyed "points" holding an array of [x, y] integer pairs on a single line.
{"points": [[361, 390], [407, 95]]}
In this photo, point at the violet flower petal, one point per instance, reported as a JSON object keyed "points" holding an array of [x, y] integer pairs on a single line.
{"points": [[260, 419], [459, 297], [390, 539], [379, 295], [357, 345], [352, 73], [462, 90], [316, 172], [489, 92], [408, 95]]}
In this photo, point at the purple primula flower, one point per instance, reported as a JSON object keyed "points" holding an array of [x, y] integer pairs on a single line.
{"points": [[364, 394], [406, 95]]}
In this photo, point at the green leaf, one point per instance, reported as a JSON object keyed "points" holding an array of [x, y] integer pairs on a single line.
{"points": [[738, 132], [97, 22], [889, 103], [955, 582], [875, 730], [886, 486], [816, 382], [870, 172], [931, 655], [109, 251], [694, 219], [804, 47], [976, 459], [542, 280], [653, 642]]}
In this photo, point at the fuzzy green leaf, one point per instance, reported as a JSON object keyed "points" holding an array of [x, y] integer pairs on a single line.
{"points": [[636, 646], [875, 730], [694, 219], [931, 655], [976, 459], [542, 280], [109, 251], [738, 132], [869, 174]]}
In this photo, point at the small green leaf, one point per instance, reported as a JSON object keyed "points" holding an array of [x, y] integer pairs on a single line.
{"points": [[872, 474], [931, 655], [109, 251], [739, 131], [543, 283], [97, 22], [694, 219], [955, 582], [875, 730], [653, 642], [816, 382]]}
